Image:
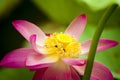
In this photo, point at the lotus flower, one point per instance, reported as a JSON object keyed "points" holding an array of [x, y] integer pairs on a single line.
{"points": [[56, 56]]}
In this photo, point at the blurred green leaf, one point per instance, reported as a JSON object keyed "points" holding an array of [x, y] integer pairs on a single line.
{"points": [[6, 6], [99, 4], [15, 74], [62, 11]]}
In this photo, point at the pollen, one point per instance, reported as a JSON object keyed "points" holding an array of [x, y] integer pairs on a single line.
{"points": [[64, 38], [63, 45]]}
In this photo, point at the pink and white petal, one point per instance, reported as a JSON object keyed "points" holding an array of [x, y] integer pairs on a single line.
{"points": [[74, 74], [39, 74], [27, 29], [35, 61], [58, 71], [93, 78], [33, 42], [103, 44], [77, 26], [16, 58], [99, 72], [39, 49], [80, 69], [74, 62]]}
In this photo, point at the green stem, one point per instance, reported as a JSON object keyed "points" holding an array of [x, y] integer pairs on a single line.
{"points": [[95, 41]]}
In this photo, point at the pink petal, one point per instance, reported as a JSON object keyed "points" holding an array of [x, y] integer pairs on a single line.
{"points": [[35, 61], [36, 47], [16, 58], [99, 72], [74, 74], [77, 26], [103, 44], [47, 34], [33, 42], [39, 74], [58, 71], [27, 29], [74, 62], [93, 78]]}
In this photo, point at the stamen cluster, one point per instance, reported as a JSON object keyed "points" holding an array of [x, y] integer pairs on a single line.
{"points": [[64, 45]]}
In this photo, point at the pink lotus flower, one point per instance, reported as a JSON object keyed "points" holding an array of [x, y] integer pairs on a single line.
{"points": [[56, 56]]}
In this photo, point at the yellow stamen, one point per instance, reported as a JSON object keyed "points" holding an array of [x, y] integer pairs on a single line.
{"points": [[64, 38], [64, 45]]}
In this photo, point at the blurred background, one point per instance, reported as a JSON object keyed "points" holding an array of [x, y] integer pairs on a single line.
{"points": [[54, 16]]}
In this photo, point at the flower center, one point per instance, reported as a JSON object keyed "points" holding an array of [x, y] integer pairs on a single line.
{"points": [[64, 45]]}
